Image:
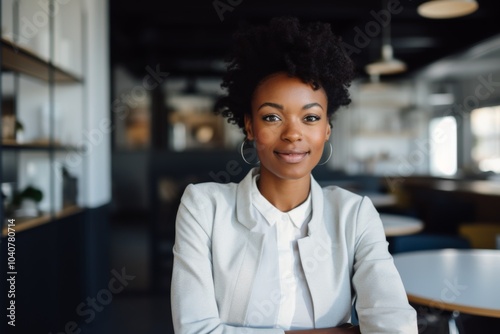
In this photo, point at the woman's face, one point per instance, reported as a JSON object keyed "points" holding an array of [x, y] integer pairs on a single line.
{"points": [[289, 124]]}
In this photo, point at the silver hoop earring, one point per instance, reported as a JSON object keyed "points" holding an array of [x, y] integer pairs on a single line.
{"points": [[243, 155], [329, 156]]}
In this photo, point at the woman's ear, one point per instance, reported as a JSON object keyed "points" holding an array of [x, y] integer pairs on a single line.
{"points": [[248, 127], [328, 132]]}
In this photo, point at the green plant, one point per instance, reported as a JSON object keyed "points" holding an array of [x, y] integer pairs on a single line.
{"points": [[29, 192], [19, 126]]}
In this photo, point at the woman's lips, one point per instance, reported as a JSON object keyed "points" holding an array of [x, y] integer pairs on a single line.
{"points": [[292, 157]]}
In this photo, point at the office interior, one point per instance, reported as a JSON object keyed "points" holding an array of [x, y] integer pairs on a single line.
{"points": [[107, 115]]}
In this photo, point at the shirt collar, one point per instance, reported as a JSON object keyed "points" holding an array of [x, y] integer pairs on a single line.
{"points": [[298, 215]]}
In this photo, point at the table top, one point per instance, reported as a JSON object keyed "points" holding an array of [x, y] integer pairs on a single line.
{"points": [[381, 199], [454, 280], [478, 187], [395, 225]]}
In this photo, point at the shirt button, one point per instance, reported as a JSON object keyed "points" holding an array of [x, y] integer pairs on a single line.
{"points": [[284, 218]]}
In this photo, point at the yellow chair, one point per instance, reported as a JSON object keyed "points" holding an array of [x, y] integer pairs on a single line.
{"points": [[480, 235]]}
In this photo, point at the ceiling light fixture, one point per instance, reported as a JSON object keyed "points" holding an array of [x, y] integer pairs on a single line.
{"points": [[387, 64], [447, 9]]}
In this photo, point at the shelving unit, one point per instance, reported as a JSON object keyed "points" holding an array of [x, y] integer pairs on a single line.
{"points": [[54, 81], [42, 75], [43, 94]]}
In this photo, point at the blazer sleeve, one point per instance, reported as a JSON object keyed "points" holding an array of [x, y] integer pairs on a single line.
{"points": [[193, 301], [382, 304]]}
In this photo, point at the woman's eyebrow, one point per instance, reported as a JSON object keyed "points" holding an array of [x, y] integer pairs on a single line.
{"points": [[310, 105], [280, 107], [271, 104]]}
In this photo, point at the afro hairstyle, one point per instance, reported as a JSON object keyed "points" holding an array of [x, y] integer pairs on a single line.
{"points": [[311, 52]]}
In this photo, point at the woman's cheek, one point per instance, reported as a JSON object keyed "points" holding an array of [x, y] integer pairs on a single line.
{"points": [[264, 138]]}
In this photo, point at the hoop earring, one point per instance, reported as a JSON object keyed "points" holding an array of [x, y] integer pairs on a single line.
{"points": [[329, 156], [243, 155]]}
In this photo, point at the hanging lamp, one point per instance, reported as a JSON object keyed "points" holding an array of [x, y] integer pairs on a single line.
{"points": [[447, 9], [387, 64]]}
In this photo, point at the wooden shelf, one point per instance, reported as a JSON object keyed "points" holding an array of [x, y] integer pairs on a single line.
{"points": [[23, 224], [37, 146], [19, 59]]}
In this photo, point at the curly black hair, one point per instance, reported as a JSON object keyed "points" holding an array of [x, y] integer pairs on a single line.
{"points": [[311, 52]]}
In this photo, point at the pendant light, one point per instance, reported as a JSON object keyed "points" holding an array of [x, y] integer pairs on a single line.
{"points": [[387, 64], [447, 9]]}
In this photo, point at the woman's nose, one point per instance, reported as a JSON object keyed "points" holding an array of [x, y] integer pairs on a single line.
{"points": [[291, 132]]}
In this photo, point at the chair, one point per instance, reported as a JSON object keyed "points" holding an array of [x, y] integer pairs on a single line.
{"points": [[480, 235], [424, 241]]}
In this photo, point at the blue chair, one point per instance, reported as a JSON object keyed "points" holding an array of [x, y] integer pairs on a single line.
{"points": [[423, 241]]}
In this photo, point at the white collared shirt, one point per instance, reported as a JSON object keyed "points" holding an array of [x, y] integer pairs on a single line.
{"points": [[280, 295]]}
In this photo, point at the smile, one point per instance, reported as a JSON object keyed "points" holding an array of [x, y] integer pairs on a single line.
{"points": [[293, 157]]}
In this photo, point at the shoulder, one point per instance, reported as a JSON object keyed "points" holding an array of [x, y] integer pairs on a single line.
{"points": [[335, 194], [345, 201], [200, 203], [207, 193]]}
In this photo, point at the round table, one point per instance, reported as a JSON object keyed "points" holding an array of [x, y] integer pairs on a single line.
{"points": [[395, 225], [466, 281], [380, 199]]}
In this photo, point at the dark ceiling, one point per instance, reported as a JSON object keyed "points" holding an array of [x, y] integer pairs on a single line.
{"points": [[189, 37]]}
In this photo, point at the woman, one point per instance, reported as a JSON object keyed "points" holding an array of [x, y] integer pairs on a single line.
{"points": [[276, 253]]}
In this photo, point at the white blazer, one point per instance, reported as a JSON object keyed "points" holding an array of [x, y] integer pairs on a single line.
{"points": [[344, 257]]}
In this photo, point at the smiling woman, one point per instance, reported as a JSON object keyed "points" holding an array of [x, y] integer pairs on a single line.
{"points": [[276, 253]]}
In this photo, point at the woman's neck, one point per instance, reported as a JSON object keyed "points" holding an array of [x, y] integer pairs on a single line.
{"points": [[284, 194]]}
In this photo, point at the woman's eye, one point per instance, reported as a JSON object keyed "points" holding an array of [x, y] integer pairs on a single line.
{"points": [[271, 118], [312, 118]]}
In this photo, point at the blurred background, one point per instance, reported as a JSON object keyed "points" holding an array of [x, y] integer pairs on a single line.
{"points": [[106, 115]]}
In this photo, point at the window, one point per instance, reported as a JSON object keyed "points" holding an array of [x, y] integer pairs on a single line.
{"points": [[485, 126], [443, 144]]}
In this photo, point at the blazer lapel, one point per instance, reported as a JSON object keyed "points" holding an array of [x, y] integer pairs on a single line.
{"points": [[252, 249], [316, 258]]}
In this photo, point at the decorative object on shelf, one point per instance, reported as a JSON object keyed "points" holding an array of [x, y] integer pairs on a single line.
{"points": [[8, 120], [7, 194], [19, 132], [447, 9], [27, 202], [8, 127], [70, 188]]}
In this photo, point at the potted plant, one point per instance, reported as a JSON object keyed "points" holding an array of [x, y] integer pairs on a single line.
{"points": [[27, 202]]}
